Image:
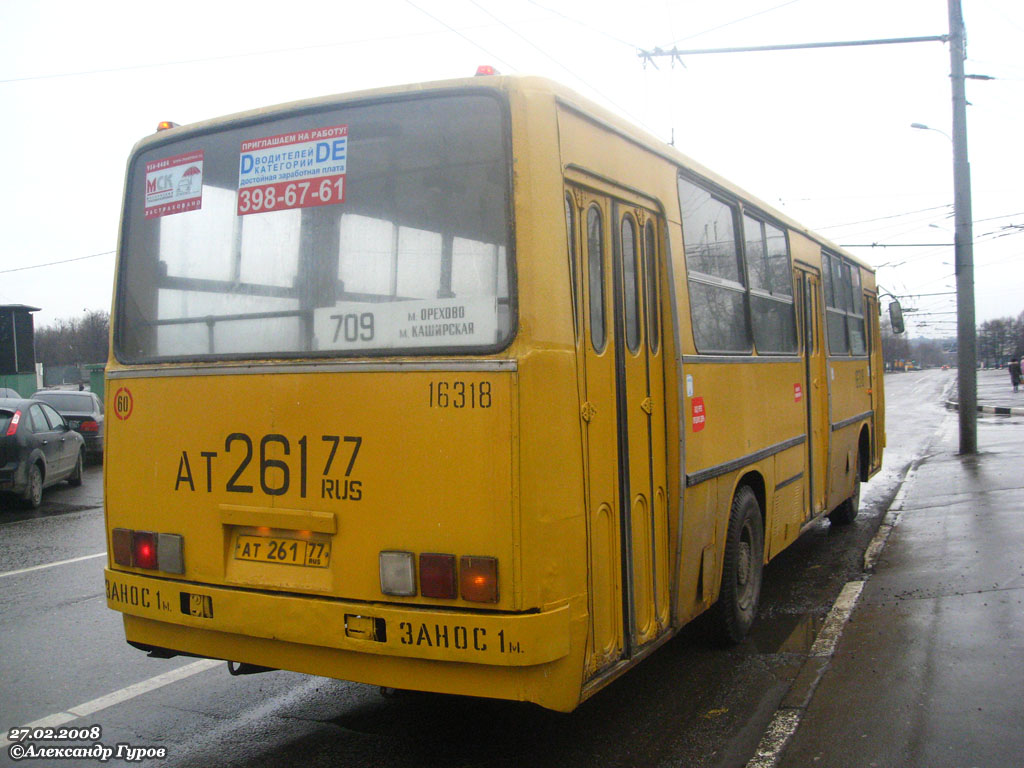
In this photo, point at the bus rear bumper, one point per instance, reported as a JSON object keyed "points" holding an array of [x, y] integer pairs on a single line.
{"points": [[507, 640]]}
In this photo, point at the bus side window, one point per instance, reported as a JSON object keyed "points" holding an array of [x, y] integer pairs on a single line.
{"points": [[718, 295]]}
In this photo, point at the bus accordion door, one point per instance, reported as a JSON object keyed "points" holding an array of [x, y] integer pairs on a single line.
{"points": [[623, 413]]}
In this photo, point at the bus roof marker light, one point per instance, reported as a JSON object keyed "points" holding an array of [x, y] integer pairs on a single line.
{"points": [[164, 125], [398, 573], [478, 579], [486, 69]]}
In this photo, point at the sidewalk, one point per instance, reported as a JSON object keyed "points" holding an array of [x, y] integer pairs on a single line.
{"points": [[995, 394], [929, 670]]}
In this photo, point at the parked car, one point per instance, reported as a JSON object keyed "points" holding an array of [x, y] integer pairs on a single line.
{"points": [[8, 392], [84, 413], [37, 449]]}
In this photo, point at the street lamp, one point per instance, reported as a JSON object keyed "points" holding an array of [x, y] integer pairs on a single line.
{"points": [[923, 127]]}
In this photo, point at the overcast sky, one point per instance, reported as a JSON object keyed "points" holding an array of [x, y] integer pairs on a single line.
{"points": [[823, 135]]}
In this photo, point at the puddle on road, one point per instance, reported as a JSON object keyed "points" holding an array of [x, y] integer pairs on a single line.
{"points": [[786, 633]]}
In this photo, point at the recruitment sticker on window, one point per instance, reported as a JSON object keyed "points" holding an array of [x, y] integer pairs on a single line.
{"points": [[472, 321], [301, 169], [174, 184]]}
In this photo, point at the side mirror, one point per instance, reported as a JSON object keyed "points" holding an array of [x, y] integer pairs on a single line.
{"points": [[896, 317]]}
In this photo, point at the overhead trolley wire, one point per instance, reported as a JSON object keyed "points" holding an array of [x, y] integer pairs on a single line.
{"points": [[53, 263]]}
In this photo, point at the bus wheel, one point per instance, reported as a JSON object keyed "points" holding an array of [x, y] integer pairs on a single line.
{"points": [[742, 565], [846, 512]]}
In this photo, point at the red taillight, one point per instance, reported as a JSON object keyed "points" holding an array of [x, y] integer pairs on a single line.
{"points": [[12, 428], [144, 549], [89, 426], [437, 576]]}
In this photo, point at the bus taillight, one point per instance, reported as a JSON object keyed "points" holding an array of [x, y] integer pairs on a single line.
{"points": [[437, 576], [398, 573], [478, 580], [144, 549]]}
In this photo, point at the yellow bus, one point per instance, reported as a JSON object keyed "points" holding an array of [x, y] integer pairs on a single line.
{"points": [[467, 387]]}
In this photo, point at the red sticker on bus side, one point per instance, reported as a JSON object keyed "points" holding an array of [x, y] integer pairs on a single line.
{"points": [[798, 393], [698, 414]]}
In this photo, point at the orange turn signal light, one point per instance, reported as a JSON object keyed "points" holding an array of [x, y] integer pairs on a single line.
{"points": [[478, 579]]}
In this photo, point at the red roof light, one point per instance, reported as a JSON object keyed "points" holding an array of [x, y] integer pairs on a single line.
{"points": [[486, 69]]}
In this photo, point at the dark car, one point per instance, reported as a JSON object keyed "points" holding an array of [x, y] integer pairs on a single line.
{"points": [[84, 413], [37, 449]]}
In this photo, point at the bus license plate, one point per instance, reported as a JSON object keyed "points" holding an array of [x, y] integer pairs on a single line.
{"points": [[263, 549]]}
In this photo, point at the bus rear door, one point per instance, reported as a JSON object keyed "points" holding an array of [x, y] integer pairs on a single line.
{"points": [[624, 416]]}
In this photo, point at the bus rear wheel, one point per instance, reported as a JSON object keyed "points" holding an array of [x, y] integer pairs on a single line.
{"points": [[846, 512], [742, 567]]}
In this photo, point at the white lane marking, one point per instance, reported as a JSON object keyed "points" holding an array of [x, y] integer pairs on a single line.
{"points": [[786, 721], [130, 692], [780, 730], [828, 637], [52, 565]]}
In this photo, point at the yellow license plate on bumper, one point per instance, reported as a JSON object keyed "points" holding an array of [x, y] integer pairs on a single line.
{"points": [[264, 549]]}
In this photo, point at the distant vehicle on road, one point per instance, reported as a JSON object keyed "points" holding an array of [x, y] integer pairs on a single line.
{"points": [[37, 449], [84, 413]]}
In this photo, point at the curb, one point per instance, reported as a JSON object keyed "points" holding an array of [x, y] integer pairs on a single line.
{"points": [[999, 410]]}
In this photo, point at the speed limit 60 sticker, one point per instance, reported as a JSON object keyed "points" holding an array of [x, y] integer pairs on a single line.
{"points": [[301, 169]]}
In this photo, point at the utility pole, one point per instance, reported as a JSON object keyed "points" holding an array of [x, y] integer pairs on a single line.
{"points": [[967, 345], [966, 335]]}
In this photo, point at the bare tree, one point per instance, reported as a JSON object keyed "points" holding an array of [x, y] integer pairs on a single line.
{"points": [[78, 341]]}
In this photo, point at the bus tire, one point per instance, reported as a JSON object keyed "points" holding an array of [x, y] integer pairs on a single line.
{"points": [[846, 512], [742, 567]]}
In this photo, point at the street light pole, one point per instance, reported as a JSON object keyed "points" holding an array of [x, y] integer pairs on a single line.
{"points": [[967, 350]]}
